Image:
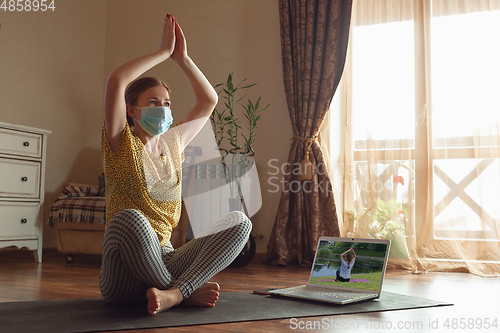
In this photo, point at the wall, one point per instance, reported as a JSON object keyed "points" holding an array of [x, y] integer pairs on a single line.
{"points": [[54, 65], [51, 66]]}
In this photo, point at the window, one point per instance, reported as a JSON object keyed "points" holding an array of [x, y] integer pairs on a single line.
{"points": [[465, 74], [419, 92]]}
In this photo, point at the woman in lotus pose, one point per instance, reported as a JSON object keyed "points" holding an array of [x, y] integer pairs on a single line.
{"points": [[344, 273], [142, 159]]}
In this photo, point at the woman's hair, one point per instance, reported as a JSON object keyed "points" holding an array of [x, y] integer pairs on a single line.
{"points": [[349, 258], [137, 87]]}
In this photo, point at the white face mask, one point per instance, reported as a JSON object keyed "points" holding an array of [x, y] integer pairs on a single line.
{"points": [[155, 120]]}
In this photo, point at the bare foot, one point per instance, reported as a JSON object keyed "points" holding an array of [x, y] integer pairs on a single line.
{"points": [[161, 300], [206, 295]]}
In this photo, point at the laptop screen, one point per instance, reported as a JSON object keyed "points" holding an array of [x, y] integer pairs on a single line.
{"points": [[355, 264]]}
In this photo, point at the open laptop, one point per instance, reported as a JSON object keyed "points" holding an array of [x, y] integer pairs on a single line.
{"points": [[367, 270]]}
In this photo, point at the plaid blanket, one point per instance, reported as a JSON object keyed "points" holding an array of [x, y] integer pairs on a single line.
{"points": [[79, 204]]}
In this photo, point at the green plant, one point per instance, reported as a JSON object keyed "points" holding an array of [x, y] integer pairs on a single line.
{"points": [[386, 217], [324, 253], [229, 133], [389, 215], [382, 219], [225, 121]]}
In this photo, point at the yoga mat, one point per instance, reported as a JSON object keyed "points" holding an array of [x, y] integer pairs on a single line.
{"points": [[351, 280], [89, 315]]}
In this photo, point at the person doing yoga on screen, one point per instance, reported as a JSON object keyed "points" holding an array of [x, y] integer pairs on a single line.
{"points": [[344, 273], [142, 156]]}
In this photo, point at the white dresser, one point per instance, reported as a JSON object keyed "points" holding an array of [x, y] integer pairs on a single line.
{"points": [[22, 186]]}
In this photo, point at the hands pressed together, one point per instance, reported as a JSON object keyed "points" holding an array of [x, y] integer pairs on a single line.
{"points": [[173, 40]]}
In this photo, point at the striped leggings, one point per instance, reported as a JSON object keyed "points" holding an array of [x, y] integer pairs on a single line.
{"points": [[133, 261]]}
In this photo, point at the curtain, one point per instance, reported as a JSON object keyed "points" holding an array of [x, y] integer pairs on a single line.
{"points": [[314, 38], [422, 136]]}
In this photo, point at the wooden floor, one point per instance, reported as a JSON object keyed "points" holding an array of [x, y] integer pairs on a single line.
{"points": [[476, 300]]}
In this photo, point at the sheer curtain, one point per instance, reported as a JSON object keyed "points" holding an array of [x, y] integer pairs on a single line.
{"points": [[421, 132]]}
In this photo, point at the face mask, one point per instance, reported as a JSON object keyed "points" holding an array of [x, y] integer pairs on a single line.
{"points": [[155, 120]]}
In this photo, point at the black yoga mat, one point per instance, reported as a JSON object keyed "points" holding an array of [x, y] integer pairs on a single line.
{"points": [[89, 315]]}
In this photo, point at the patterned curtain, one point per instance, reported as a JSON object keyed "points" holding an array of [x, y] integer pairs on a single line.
{"points": [[314, 35]]}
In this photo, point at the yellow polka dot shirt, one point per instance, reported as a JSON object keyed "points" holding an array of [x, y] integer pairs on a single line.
{"points": [[138, 179]]}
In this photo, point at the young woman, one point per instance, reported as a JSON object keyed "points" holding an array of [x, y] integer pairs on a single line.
{"points": [[344, 273], [142, 159]]}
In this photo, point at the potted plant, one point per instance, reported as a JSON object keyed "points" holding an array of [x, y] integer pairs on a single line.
{"points": [[386, 219], [236, 144], [230, 136]]}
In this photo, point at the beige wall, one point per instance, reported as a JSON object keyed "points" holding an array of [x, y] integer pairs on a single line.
{"points": [[53, 68]]}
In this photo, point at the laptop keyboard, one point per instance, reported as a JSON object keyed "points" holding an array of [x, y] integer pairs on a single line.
{"points": [[340, 294]]}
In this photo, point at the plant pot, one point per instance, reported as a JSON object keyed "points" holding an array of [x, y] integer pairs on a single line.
{"points": [[246, 255], [235, 204], [399, 248]]}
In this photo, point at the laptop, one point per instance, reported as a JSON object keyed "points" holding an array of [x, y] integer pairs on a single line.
{"points": [[358, 280]]}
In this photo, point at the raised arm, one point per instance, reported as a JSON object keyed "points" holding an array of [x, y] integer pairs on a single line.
{"points": [[206, 96], [114, 101], [342, 255]]}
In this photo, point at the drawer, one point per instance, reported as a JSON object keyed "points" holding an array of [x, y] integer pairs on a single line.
{"points": [[18, 220], [19, 179], [20, 143]]}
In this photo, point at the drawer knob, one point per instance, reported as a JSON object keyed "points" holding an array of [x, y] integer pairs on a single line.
{"points": [[24, 221], [26, 143], [24, 179]]}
